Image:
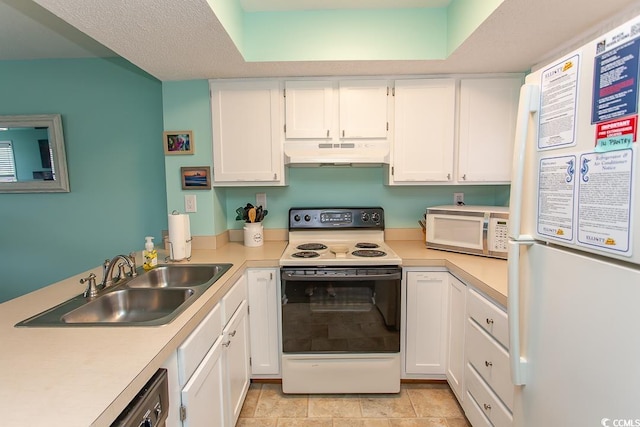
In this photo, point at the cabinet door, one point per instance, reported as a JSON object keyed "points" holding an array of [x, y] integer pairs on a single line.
{"points": [[426, 322], [424, 131], [236, 361], [363, 109], [203, 395], [246, 126], [309, 109], [263, 322], [455, 354], [488, 110]]}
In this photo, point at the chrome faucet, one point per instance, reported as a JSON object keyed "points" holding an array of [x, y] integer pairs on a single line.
{"points": [[109, 266]]}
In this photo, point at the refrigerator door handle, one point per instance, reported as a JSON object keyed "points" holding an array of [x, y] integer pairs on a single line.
{"points": [[529, 103], [517, 361]]}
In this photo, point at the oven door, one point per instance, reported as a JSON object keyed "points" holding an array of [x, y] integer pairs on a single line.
{"points": [[341, 309]]}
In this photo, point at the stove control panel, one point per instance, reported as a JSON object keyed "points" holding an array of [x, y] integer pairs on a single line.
{"points": [[346, 218]]}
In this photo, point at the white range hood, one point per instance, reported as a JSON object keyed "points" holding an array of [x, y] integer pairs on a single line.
{"points": [[310, 154]]}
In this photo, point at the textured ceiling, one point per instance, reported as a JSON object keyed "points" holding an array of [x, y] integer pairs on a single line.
{"points": [[183, 40]]}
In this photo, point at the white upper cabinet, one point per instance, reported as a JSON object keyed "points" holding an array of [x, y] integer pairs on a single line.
{"points": [[334, 111], [246, 120], [309, 109], [363, 109], [424, 123], [488, 108]]}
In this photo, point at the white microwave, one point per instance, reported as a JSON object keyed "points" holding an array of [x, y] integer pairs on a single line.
{"points": [[478, 230]]}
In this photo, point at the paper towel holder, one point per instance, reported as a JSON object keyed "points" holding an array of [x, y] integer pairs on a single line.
{"points": [[168, 257]]}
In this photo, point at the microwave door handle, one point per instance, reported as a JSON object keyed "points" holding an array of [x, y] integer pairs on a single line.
{"points": [[485, 236]]}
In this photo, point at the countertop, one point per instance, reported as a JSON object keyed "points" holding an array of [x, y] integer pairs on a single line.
{"points": [[81, 376]]}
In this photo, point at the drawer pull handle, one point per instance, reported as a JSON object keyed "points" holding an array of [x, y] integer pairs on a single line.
{"points": [[489, 321], [487, 363], [487, 407], [226, 344], [232, 334]]}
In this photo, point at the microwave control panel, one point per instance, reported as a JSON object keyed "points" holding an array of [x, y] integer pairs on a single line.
{"points": [[500, 237]]}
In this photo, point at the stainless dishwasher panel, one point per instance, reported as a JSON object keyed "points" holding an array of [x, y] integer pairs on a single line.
{"points": [[150, 406]]}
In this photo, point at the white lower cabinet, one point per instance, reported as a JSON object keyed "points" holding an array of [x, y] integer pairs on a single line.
{"points": [[264, 321], [209, 372], [235, 359], [455, 334], [487, 382], [426, 309]]}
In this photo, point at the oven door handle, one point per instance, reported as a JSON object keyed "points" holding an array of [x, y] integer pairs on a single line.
{"points": [[333, 277]]}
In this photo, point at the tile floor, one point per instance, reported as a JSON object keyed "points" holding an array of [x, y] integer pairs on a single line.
{"points": [[417, 405]]}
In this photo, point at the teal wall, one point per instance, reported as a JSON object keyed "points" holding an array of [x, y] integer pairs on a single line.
{"points": [[352, 34], [186, 106], [378, 34], [112, 123]]}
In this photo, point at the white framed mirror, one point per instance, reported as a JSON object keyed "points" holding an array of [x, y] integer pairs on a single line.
{"points": [[32, 154]]}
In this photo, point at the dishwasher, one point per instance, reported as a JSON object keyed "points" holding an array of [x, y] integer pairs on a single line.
{"points": [[150, 407]]}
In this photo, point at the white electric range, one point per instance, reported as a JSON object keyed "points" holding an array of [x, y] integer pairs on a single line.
{"points": [[341, 298], [337, 236]]}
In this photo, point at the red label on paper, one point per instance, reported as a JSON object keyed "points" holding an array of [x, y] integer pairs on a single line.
{"points": [[625, 126]]}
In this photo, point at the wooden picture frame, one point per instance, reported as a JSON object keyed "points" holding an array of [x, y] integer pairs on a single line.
{"points": [[195, 177], [178, 142]]}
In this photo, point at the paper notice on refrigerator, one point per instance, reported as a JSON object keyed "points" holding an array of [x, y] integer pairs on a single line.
{"points": [[556, 197], [615, 74], [604, 201], [558, 101]]}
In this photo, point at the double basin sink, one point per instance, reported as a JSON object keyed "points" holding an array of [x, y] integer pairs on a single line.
{"points": [[151, 298]]}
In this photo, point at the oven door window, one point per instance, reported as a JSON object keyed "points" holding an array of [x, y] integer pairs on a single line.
{"points": [[355, 315]]}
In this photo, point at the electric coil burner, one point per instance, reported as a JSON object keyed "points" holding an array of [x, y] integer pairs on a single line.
{"points": [[368, 253], [341, 294], [305, 254]]}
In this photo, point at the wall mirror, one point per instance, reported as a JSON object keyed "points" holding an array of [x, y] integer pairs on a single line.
{"points": [[32, 154]]}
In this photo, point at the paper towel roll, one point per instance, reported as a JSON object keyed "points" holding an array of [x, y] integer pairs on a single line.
{"points": [[179, 237], [187, 236]]}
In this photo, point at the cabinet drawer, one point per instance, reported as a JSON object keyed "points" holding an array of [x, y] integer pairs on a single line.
{"points": [[473, 412], [489, 316], [232, 300], [486, 400], [196, 346], [491, 361]]}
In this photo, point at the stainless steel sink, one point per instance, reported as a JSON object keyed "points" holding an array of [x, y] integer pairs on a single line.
{"points": [[152, 298], [178, 276], [130, 306]]}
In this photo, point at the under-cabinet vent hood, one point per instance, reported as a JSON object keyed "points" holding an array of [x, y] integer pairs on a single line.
{"points": [[310, 154]]}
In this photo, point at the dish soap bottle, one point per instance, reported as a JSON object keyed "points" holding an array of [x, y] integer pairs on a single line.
{"points": [[150, 254]]}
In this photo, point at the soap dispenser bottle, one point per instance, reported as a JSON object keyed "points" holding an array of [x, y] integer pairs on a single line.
{"points": [[150, 254]]}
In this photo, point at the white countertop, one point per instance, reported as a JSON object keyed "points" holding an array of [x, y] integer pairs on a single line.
{"points": [[80, 376]]}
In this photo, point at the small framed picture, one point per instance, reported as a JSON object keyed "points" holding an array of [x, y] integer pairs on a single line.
{"points": [[196, 177], [178, 142]]}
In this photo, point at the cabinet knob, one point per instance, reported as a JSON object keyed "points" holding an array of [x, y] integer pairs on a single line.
{"points": [[327, 133], [226, 343], [232, 334], [487, 407], [464, 177], [448, 176], [489, 321], [487, 363]]}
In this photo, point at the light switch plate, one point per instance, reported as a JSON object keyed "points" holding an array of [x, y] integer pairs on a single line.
{"points": [[190, 204], [261, 200]]}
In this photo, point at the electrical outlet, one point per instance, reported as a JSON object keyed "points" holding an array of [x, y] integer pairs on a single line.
{"points": [[190, 204], [458, 198], [261, 200]]}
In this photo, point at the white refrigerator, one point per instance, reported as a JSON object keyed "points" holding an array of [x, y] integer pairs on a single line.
{"points": [[574, 251]]}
